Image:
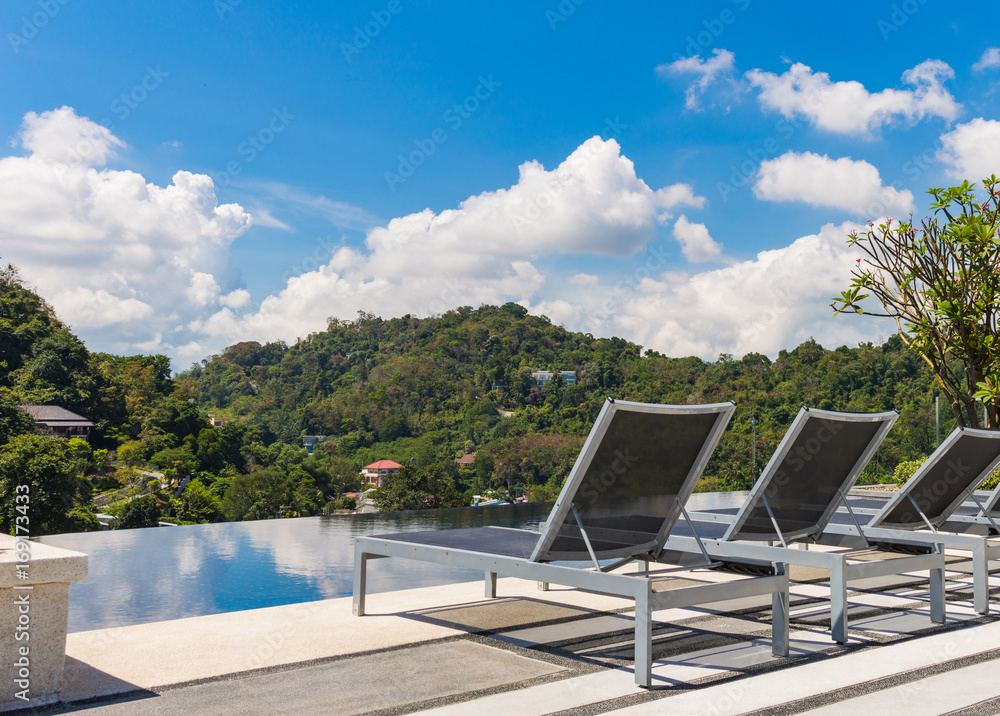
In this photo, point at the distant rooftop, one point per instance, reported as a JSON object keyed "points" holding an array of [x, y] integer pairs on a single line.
{"points": [[54, 414], [383, 465], [59, 421]]}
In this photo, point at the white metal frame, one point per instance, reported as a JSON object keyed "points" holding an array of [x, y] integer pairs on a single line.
{"points": [[640, 586], [953, 532], [844, 567]]}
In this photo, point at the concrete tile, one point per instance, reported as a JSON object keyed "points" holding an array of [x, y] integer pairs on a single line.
{"points": [[930, 696], [811, 679], [377, 681]]}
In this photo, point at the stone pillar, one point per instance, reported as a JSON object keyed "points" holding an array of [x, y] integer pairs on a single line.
{"points": [[34, 608]]}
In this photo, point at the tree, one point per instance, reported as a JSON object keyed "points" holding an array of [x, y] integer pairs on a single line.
{"points": [[418, 488], [940, 283], [13, 420], [257, 496], [140, 512], [197, 504], [44, 470]]}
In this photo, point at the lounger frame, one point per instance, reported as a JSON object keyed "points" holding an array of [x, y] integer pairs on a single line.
{"points": [[942, 526], [640, 587], [843, 567]]}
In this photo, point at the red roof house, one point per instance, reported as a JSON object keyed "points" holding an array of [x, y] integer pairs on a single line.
{"points": [[376, 472]]}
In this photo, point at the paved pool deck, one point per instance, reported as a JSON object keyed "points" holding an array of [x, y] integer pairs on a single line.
{"points": [[448, 650]]}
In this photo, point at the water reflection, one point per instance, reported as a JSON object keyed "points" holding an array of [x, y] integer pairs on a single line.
{"points": [[141, 576]]}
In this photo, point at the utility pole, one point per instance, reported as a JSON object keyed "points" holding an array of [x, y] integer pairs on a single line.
{"points": [[937, 421], [753, 428]]}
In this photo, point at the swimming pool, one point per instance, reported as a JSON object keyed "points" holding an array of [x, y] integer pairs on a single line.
{"points": [[149, 575]]}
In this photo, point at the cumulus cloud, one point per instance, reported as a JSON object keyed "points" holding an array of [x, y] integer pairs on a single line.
{"points": [[849, 108], [706, 71], [972, 150], [843, 183], [776, 300], [696, 244], [990, 60], [139, 267], [116, 255], [482, 252]]}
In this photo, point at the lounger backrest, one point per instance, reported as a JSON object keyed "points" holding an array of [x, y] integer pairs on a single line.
{"points": [[639, 463], [962, 462], [821, 455]]}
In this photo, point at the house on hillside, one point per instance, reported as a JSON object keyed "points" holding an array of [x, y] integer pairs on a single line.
{"points": [[374, 474], [58, 421], [542, 377], [217, 421], [309, 442], [466, 460]]}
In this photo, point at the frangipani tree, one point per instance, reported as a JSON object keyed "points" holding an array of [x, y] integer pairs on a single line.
{"points": [[940, 282]]}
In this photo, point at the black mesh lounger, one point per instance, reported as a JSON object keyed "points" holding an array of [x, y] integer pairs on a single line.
{"points": [[622, 498], [929, 507], [794, 500]]}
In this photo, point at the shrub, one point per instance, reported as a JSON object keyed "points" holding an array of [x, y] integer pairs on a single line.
{"points": [[904, 471]]}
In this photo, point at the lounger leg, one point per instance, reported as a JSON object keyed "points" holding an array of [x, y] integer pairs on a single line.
{"points": [[936, 577], [543, 586], [491, 585], [838, 602], [643, 640], [981, 578], [360, 578], [779, 615]]}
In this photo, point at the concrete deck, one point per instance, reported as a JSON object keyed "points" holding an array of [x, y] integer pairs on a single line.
{"points": [[447, 650]]}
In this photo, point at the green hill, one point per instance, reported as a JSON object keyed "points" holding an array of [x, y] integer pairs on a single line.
{"points": [[417, 391], [430, 389]]}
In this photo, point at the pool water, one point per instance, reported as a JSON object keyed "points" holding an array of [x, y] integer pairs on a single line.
{"points": [[148, 575]]}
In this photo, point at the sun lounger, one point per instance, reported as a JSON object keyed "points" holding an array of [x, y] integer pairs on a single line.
{"points": [[793, 501], [933, 506], [622, 498]]}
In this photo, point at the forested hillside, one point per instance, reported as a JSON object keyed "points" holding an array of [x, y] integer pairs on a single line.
{"points": [[431, 389], [417, 391]]}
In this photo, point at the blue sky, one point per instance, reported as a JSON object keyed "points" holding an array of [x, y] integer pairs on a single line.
{"points": [[181, 176]]}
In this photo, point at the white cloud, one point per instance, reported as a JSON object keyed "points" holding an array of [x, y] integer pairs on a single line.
{"points": [[706, 71], [849, 108], [236, 299], [338, 213], [774, 301], [584, 279], [481, 252], [143, 267], [59, 136], [990, 60], [696, 243], [843, 183], [85, 308], [972, 150], [123, 259]]}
